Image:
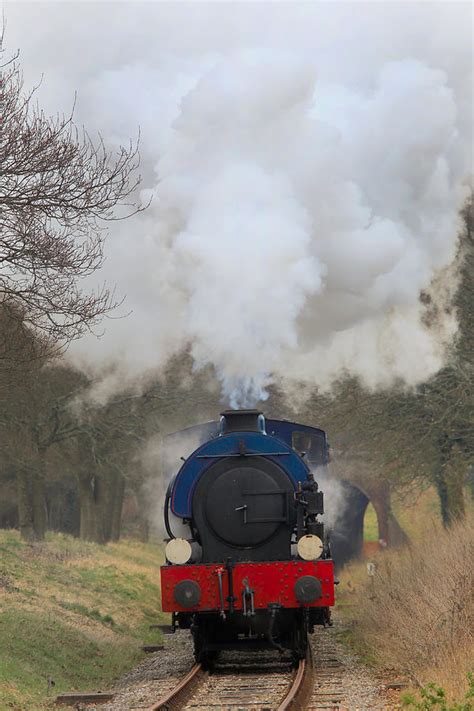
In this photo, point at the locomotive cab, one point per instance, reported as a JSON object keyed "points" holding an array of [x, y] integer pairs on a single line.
{"points": [[256, 568]]}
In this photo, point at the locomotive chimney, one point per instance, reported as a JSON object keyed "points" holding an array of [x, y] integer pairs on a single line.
{"points": [[242, 421]]}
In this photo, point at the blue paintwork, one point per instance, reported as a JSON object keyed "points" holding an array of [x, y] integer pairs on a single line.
{"points": [[255, 443], [284, 430]]}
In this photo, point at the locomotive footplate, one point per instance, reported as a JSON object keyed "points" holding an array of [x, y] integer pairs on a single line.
{"points": [[254, 586]]}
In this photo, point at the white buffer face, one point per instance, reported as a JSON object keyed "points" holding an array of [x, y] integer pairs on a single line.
{"points": [[178, 551], [310, 547]]}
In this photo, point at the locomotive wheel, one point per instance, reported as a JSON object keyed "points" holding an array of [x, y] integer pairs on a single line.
{"points": [[202, 655], [300, 637]]}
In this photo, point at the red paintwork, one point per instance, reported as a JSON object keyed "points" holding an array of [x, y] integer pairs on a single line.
{"points": [[271, 582]]}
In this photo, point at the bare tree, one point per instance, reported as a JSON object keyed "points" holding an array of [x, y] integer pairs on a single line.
{"points": [[58, 188], [33, 419]]}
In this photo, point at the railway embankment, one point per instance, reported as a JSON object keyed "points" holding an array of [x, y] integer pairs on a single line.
{"points": [[72, 615], [416, 612]]}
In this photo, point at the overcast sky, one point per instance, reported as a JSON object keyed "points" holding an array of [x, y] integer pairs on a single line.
{"points": [[307, 162]]}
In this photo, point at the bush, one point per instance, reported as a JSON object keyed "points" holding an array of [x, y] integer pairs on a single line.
{"points": [[417, 613], [434, 697]]}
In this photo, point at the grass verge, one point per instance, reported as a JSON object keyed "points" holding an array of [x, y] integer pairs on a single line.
{"points": [[72, 612], [417, 613]]}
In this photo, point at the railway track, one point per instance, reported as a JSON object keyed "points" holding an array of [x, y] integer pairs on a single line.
{"points": [[240, 683], [329, 687]]}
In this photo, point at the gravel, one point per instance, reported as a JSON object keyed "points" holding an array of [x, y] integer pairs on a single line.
{"points": [[340, 676], [157, 674], [358, 686]]}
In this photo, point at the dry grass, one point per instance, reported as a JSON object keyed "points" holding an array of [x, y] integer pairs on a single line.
{"points": [[417, 613]]}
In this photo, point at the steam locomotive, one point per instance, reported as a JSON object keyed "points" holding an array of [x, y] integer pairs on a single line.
{"points": [[251, 565]]}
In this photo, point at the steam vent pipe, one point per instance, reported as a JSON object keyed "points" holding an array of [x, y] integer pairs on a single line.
{"points": [[242, 421]]}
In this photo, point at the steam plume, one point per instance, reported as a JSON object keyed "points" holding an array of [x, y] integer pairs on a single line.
{"points": [[307, 162]]}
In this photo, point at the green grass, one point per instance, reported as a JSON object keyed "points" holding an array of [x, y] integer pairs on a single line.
{"points": [[371, 532], [37, 646], [72, 611], [350, 639], [92, 614]]}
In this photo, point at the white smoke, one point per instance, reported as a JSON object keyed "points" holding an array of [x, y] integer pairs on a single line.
{"points": [[335, 497], [307, 163], [162, 458]]}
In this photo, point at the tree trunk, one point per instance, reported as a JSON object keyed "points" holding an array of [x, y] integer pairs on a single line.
{"points": [[117, 497], [31, 504], [87, 527], [143, 518], [470, 480], [102, 509], [25, 505], [143, 529], [39, 506], [449, 480], [442, 491], [38, 491], [455, 475], [97, 498], [451, 497], [457, 509]]}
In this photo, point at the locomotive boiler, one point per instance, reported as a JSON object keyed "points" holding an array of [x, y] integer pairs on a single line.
{"points": [[251, 566]]}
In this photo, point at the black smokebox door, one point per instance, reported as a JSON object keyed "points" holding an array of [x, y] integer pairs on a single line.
{"points": [[245, 505]]}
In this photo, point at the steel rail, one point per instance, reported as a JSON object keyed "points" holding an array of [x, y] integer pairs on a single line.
{"points": [[176, 698], [295, 698], [301, 687]]}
